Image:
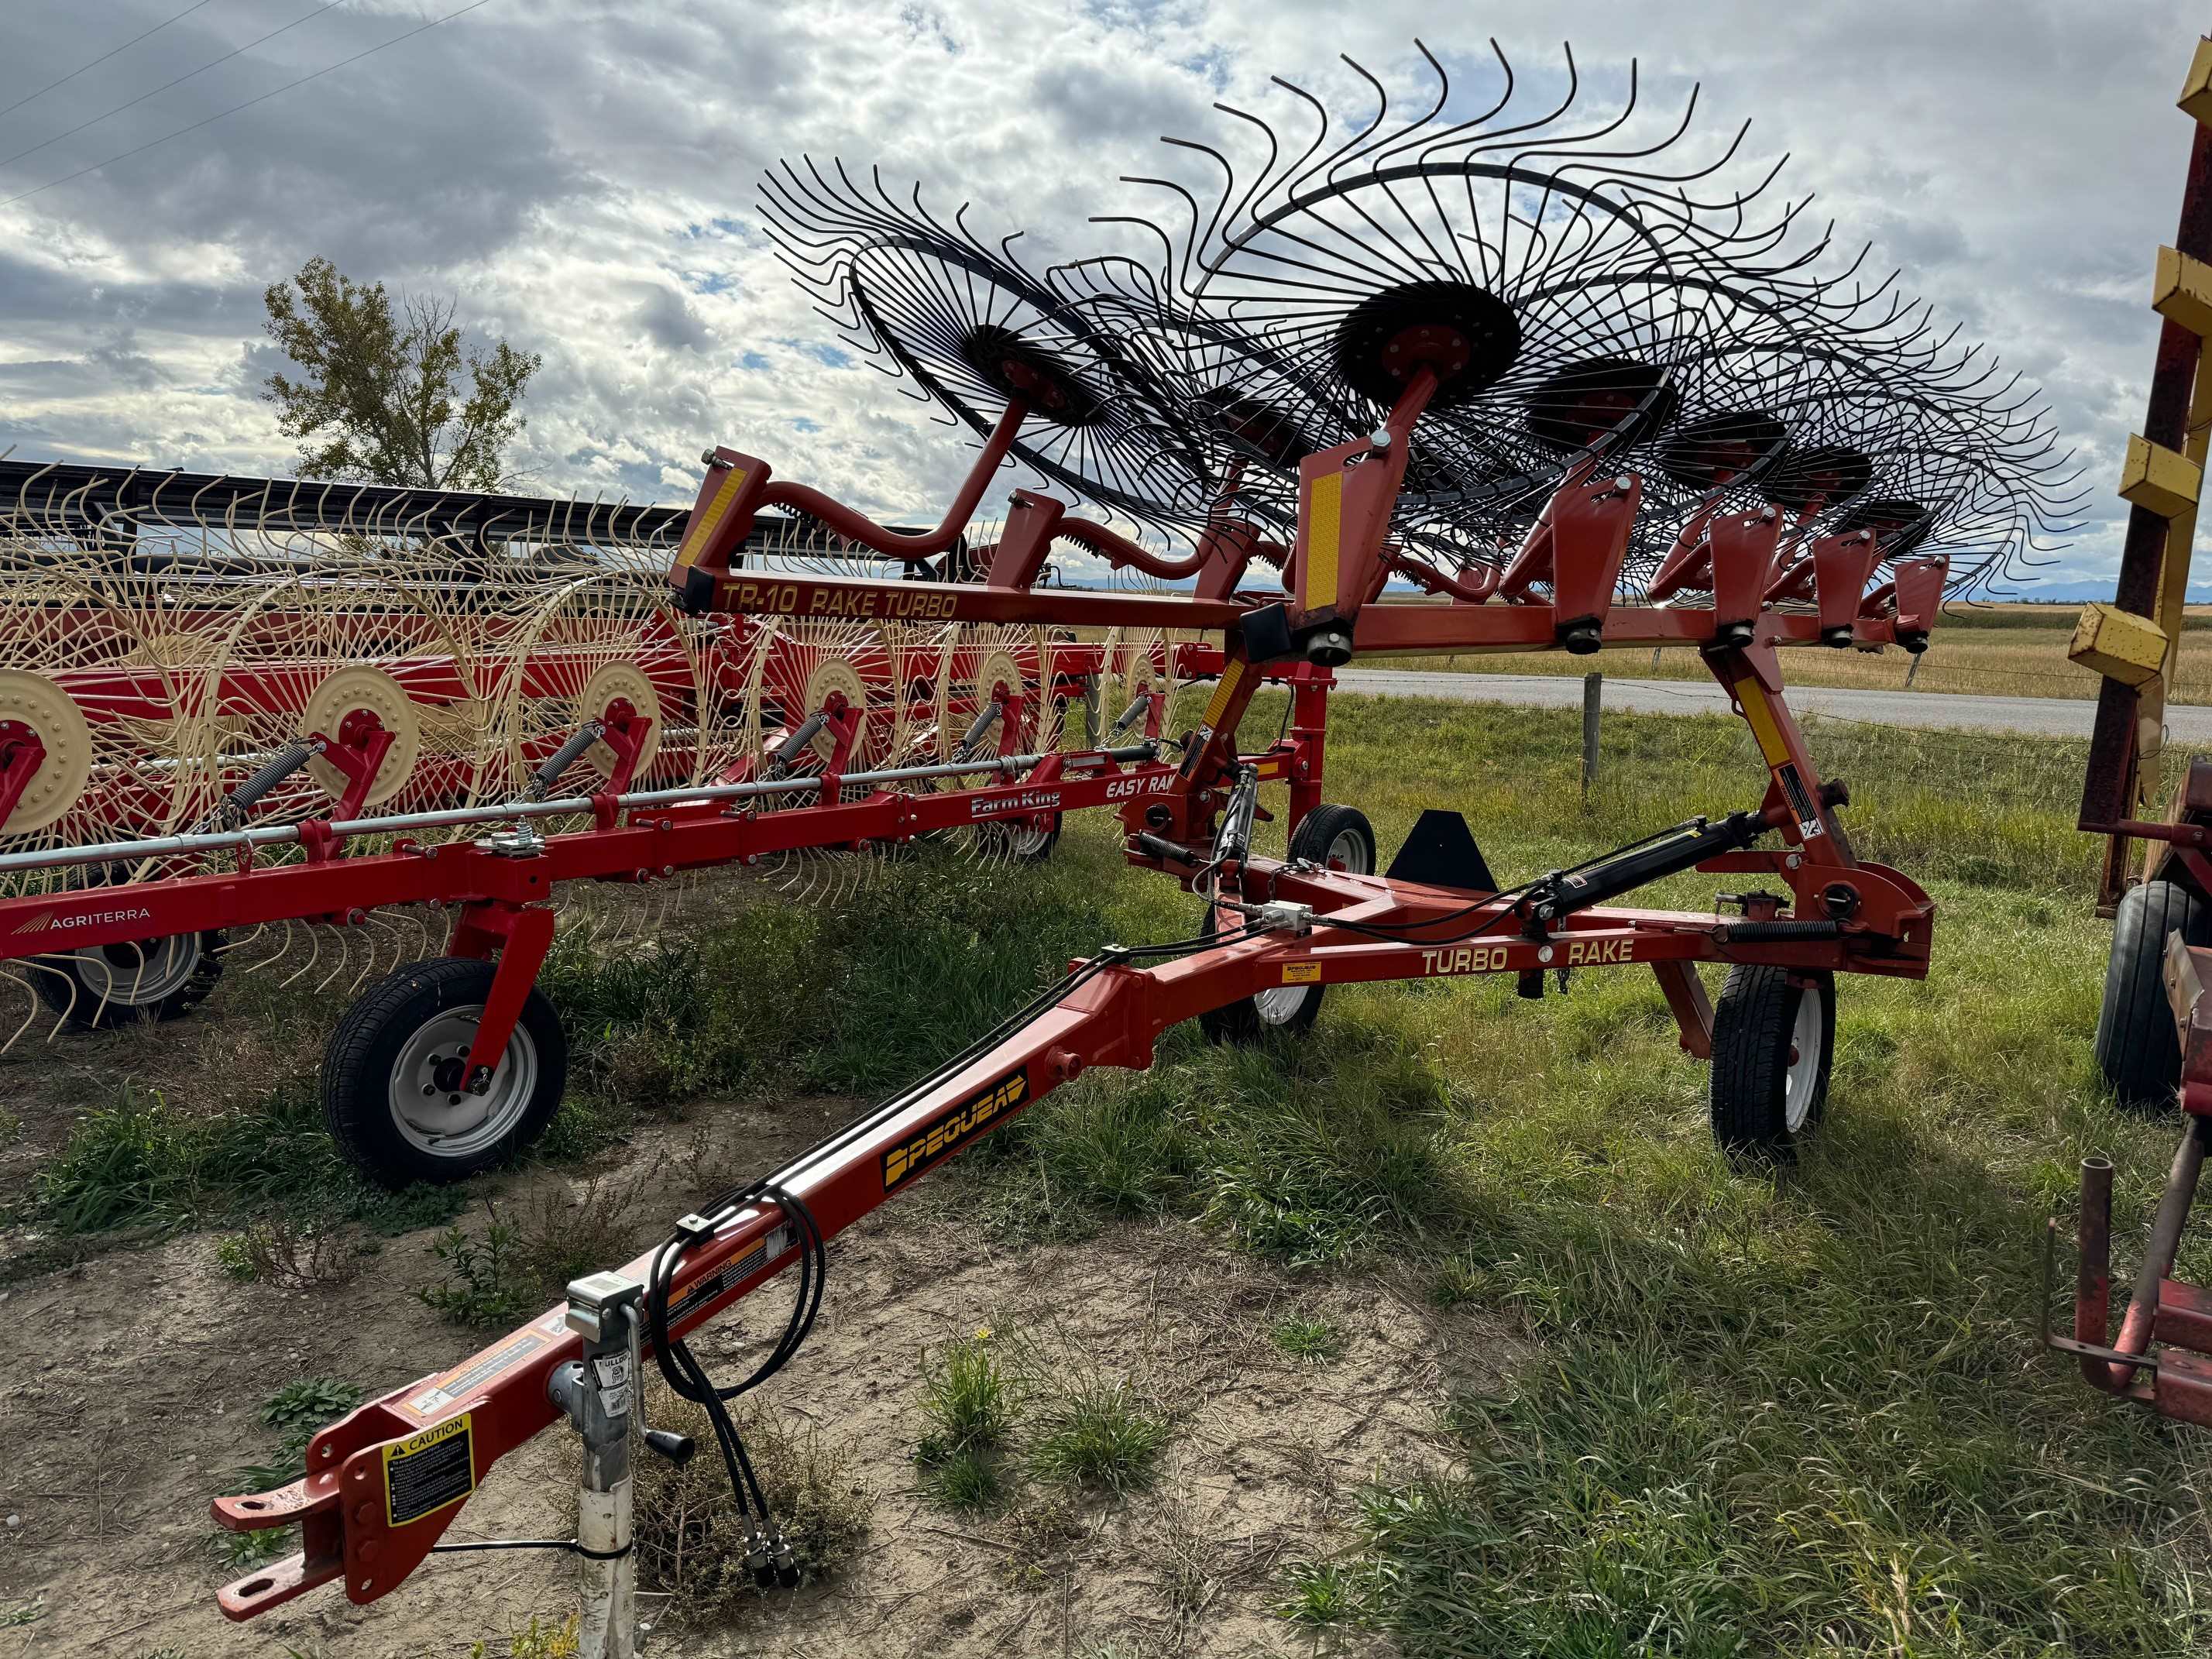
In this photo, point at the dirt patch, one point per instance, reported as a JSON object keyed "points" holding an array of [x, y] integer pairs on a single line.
{"points": [[136, 1379]]}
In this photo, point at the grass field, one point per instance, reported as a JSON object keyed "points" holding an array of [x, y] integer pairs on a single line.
{"points": [[1997, 650], [1799, 1413]]}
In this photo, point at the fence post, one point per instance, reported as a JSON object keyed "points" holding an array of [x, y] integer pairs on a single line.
{"points": [[1593, 699]]}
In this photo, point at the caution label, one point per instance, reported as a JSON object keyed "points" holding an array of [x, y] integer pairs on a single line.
{"points": [[463, 1379], [428, 1472], [726, 1278]]}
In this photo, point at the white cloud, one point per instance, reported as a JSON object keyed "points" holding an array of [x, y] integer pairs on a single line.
{"points": [[583, 177]]}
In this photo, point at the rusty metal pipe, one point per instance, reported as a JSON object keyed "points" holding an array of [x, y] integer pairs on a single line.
{"points": [[2093, 1276], [2135, 1324]]}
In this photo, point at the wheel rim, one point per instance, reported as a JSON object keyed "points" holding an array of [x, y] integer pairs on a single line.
{"points": [[137, 974], [1279, 1005], [432, 1112], [1808, 1049], [1348, 852]]}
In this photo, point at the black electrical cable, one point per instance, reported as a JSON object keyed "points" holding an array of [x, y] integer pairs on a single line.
{"points": [[1028, 1014], [572, 1546], [681, 1369], [687, 1376], [1509, 896]]}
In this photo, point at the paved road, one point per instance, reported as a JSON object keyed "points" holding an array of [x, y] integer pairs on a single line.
{"points": [[2042, 717]]}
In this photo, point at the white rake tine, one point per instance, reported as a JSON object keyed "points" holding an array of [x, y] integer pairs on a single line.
{"points": [[314, 955], [344, 942], [30, 1015]]}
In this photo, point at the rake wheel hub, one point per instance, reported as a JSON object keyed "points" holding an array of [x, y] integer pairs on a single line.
{"points": [[1616, 396], [1466, 336], [1022, 368], [1256, 426], [1898, 525], [1720, 448], [359, 689], [34, 703], [834, 686], [1827, 473], [620, 690]]}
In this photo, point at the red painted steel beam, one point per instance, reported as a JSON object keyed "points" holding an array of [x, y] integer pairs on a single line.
{"points": [[1111, 1015], [652, 842], [858, 598]]}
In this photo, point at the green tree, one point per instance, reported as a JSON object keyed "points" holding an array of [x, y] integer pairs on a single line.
{"points": [[380, 396]]}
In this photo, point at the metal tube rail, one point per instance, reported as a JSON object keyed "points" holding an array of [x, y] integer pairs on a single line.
{"points": [[283, 835], [2138, 1324], [857, 526]]}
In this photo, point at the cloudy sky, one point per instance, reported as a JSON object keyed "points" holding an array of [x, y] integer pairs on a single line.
{"points": [[582, 177]]}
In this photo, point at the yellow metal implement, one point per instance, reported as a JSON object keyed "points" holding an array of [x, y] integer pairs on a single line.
{"points": [[2161, 480], [2118, 644]]}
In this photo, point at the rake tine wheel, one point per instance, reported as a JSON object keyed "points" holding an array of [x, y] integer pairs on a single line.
{"points": [[603, 649], [976, 331], [822, 699], [93, 709], [1584, 287]]}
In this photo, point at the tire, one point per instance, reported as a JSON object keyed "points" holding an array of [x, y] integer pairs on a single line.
{"points": [[98, 987], [1769, 1092], [1340, 838], [2137, 1048], [409, 1032]]}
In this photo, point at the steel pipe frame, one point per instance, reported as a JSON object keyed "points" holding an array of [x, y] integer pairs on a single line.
{"points": [[1112, 1013], [1113, 1020]]}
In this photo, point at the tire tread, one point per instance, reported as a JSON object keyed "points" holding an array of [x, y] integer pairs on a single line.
{"points": [[2137, 1049], [1751, 1026], [348, 1059]]}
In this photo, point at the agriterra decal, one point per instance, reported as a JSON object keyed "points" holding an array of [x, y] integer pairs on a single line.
{"points": [[954, 1129], [46, 920]]}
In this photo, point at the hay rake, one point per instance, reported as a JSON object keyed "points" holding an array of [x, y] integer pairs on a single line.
{"points": [[203, 658], [1550, 371]]}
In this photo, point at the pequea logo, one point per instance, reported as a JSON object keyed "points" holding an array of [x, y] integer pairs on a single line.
{"points": [[46, 920]]}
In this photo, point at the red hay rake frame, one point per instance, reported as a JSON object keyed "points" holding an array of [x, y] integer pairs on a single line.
{"points": [[1849, 916], [1508, 367]]}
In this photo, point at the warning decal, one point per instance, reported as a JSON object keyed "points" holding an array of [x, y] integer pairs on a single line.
{"points": [[1800, 803], [1301, 972], [458, 1383], [428, 1472], [730, 1273]]}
